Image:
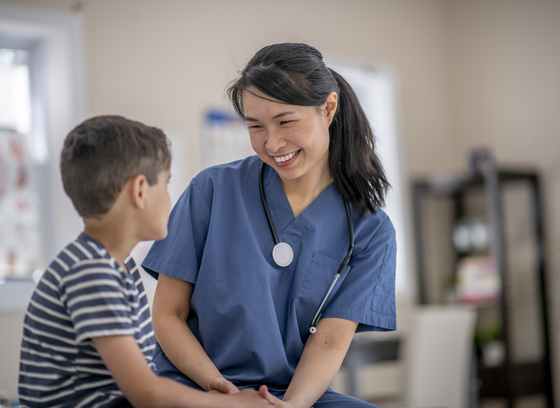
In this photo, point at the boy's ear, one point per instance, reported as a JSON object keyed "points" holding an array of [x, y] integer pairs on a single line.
{"points": [[138, 187]]}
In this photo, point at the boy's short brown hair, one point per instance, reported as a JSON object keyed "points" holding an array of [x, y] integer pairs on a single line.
{"points": [[101, 154]]}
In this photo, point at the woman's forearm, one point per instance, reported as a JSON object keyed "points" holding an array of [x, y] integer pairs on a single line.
{"points": [[184, 350], [313, 375], [319, 362], [171, 309]]}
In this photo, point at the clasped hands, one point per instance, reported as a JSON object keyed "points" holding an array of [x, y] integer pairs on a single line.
{"points": [[247, 397]]}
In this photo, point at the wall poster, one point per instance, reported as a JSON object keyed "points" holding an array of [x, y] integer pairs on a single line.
{"points": [[20, 235]]}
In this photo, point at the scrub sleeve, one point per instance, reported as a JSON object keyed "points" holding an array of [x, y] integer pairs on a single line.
{"points": [[367, 295]]}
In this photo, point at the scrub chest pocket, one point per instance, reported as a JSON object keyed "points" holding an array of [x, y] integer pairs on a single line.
{"points": [[315, 286]]}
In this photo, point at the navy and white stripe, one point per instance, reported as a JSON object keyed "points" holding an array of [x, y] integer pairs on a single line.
{"points": [[83, 294]]}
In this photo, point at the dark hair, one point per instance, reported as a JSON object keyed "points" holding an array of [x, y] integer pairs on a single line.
{"points": [[296, 74], [101, 154]]}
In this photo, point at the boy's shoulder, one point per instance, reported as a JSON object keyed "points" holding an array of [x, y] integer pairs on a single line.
{"points": [[81, 253], [80, 276]]}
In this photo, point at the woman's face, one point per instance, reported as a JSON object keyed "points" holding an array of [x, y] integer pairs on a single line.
{"points": [[292, 139]]}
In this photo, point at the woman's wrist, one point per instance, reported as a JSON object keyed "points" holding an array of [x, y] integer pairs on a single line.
{"points": [[291, 403]]}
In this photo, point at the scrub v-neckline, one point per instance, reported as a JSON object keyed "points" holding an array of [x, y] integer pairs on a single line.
{"points": [[281, 211]]}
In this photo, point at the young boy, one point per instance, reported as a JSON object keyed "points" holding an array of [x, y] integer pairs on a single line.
{"points": [[88, 338]]}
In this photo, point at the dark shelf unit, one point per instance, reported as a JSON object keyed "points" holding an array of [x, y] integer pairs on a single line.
{"points": [[510, 379]]}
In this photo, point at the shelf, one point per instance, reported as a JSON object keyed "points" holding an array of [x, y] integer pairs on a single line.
{"points": [[497, 196], [525, 379], [446, 186]]}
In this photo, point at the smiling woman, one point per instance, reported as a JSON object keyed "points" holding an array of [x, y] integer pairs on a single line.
{"points": [[318, 169]]}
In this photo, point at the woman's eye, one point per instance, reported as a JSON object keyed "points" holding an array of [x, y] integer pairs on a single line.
{"points": [[284, 122], [255, 127]]}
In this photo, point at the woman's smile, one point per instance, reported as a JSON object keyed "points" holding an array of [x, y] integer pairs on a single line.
{"points": [[287, 159]]}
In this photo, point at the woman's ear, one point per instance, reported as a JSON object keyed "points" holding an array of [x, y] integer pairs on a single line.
{"points": [[331, 104], [138, 186]]}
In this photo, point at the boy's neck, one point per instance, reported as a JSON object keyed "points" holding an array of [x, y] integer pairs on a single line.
{"points": [[116, 241]]}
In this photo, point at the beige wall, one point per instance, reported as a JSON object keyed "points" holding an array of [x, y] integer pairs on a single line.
{"points": [[164, 62], [469, 73], [504, 65]]}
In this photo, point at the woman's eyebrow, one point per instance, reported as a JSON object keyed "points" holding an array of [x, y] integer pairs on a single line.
{"points": [[247, 119]]}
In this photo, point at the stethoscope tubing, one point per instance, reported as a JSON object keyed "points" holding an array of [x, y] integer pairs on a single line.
{"points": [[265, 205], [312, 328]]}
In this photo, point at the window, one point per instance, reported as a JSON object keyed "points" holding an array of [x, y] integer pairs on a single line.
{"points": [[15, 103], [40, 67], [20, 236]]}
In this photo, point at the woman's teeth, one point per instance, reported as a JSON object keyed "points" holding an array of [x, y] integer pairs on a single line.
{"points": [[281, 159]]}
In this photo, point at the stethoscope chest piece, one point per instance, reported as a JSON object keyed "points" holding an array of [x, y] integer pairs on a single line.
{"points": [[283, 254]]}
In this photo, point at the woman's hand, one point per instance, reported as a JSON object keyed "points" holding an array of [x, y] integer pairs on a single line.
{"points": [[271, 399], [220, 384], [254, 399]]}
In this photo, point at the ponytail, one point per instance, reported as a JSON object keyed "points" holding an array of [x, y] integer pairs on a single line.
{"points": [[354, 166]]}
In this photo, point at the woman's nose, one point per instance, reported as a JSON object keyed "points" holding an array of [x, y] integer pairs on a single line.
{"points": [[274, 141]]}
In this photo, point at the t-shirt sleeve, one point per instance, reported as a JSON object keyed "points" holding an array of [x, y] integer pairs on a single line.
{"points": [[95, 297], [367, 294], [180, 253]]}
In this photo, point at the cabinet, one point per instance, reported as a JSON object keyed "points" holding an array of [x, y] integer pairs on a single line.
{"points": [[480, 240]]}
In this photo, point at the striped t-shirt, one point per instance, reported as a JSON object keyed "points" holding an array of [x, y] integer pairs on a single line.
{"points": [[83, 294]]}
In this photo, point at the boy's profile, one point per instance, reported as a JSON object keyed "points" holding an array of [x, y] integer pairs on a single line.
{"points": [[88, 338]]}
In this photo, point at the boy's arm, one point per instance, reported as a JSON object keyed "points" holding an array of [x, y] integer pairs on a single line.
{"points": [[124, 359], [171, 308]]}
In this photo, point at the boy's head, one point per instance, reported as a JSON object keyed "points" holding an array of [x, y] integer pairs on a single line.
{"points": [[101, 154]]}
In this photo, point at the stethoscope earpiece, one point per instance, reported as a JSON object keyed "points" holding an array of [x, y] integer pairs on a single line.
{"points": [[312, 330]]}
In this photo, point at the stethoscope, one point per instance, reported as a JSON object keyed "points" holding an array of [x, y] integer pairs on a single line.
{"points": [[283, 254]]}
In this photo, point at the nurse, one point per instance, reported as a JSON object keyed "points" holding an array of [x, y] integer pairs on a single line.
{"points": [[229, 315]]}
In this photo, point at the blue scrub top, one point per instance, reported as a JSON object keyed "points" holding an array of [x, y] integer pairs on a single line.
{"points": [[251, 316]]}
